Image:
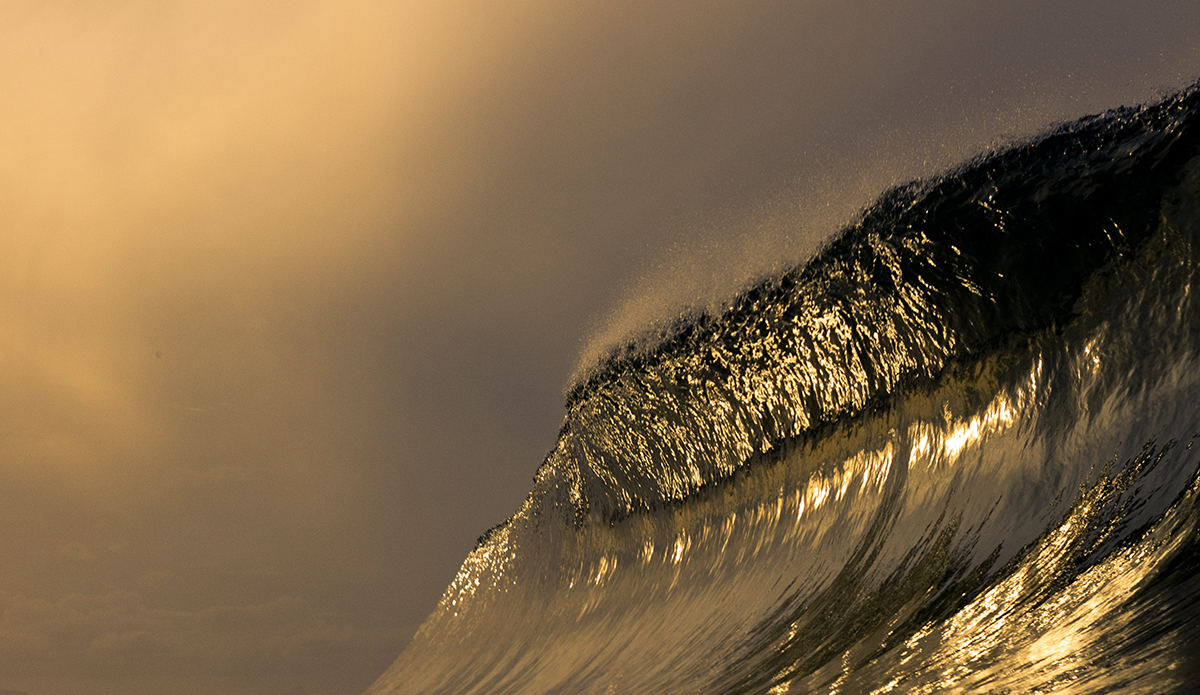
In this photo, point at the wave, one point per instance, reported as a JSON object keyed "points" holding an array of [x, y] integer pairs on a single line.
{"points": [[954, 451]]}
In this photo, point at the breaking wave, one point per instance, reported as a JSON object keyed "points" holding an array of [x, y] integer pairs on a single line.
{"points": [[953, 452]]}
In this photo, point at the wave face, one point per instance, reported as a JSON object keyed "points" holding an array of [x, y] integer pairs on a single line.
{"points": [[952, 453]]}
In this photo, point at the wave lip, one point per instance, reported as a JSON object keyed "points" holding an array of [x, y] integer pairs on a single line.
{"points": [[935, 271]]}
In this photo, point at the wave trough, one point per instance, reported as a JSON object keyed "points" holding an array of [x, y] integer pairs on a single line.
{"points": [[952, 453]]}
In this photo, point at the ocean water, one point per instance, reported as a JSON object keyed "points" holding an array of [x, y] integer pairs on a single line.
{"points": [[957, 451]]}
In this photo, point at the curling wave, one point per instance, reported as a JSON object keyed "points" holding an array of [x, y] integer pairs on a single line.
{"points": [[952, 452]]}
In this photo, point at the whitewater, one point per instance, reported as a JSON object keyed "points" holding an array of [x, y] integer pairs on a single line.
{"points": [[956, 451]]}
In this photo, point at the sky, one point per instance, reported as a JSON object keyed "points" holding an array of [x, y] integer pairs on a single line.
{"points": [[290, 292]]}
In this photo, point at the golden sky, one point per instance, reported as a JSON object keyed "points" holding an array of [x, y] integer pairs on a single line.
{"points": [[289, 291]]}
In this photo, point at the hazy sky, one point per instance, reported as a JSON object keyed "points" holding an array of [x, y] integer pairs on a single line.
{"points": [[290, 291]]}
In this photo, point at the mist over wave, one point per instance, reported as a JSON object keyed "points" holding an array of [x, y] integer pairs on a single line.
{"points": [[953, 451]]}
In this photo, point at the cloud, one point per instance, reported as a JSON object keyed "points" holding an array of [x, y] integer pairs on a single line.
{"points": [[118, 635]]}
